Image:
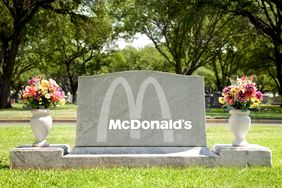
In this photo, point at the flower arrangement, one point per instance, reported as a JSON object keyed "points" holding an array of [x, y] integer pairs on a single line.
{"points": [[241, 94], [42, 93]]}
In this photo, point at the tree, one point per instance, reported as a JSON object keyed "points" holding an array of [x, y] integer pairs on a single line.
{"points": [[261, 63], [266, 16], [233, 55], [181, 31], [130, 58], [71, 45], [15, 16]]}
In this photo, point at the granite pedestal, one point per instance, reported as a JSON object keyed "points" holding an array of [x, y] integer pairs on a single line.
{"points": [[60, 156], [252, 155]]}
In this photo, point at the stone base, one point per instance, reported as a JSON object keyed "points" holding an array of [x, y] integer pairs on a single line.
{"points": [[176, 151], [26, 156], [252, 155], [59, 156]]}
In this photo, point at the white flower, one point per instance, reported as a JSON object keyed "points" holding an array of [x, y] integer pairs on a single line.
{"points": [[47, 96]]}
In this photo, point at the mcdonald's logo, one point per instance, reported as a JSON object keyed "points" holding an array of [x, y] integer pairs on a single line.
{"points": [[134, 106]]}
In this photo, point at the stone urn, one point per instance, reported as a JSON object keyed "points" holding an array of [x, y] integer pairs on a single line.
{"points": [[41, 123], [240, 123]]}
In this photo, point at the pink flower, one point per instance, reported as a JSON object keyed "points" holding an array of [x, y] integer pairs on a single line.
{"points": [[226, 90], [55, 98], [250, 90], [259, 95], [241, 94], [32, 81], [41, 92], [53, 83], [244, 79], [30, 90], [229, 100]]}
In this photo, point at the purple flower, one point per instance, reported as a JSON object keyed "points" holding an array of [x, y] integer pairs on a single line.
{"points": [[240, 96], [33, 81], [226, 90]]}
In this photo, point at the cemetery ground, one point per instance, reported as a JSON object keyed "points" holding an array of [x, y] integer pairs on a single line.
{"points": [[19, 134], [266, 135], [68, 111]]}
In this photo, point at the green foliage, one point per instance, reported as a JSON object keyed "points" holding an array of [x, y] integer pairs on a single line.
{"points": [[69, 46], [184, 32], [130, 58], [66, 39], [16, 19], [266, 18]]}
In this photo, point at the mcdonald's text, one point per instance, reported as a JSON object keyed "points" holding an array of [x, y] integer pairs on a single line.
{"points": [[136, 124]]}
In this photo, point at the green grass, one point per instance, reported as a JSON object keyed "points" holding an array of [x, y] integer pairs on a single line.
{"points": [[266, 112], [269, 136], [66, 111]]}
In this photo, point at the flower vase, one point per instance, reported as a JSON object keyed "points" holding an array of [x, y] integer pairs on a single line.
{"points": [[240, 123], [41, 123]]}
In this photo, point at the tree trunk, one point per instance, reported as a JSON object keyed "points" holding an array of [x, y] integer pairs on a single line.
{"points": [[74, 96], [73, 90], [10, 53], [73, 83], [279, 70], [278, 59], [218, 83], [5, 93], [178, 67]]}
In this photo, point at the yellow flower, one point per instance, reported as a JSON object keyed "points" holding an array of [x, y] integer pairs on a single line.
{"points": [[43, 89], [233, 91], [254, 105], [221, 100], [62, 102], [44, 83], [253, 99], [47, 96]]}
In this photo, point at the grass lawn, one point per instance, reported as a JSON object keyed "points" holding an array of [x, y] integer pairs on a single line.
{"points": [[266, 112], [66, 111], [269, 136]]}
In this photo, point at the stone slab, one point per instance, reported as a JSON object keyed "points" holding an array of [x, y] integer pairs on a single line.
{"points": [[59, 156], [26, 156], [55, 156], [252, 155], [179, 151], [143, 96]]}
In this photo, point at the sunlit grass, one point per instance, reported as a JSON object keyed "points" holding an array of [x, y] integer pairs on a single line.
{"points": [[18, 112], [68, 111], [265, 112], [269, 136]]}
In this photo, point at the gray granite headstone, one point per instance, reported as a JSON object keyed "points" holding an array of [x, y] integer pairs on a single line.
{"points": [[170, 128], [141, 108]]}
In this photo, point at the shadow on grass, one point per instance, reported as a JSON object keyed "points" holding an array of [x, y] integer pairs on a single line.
{"points": [[4, 166], [15, 109]]}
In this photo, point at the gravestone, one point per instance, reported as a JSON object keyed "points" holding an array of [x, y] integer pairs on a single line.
{"points": [[215, 102], [140, 109], [140, 118]]}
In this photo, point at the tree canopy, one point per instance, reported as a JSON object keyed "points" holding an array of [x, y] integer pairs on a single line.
{"points": [[66, 39]]}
